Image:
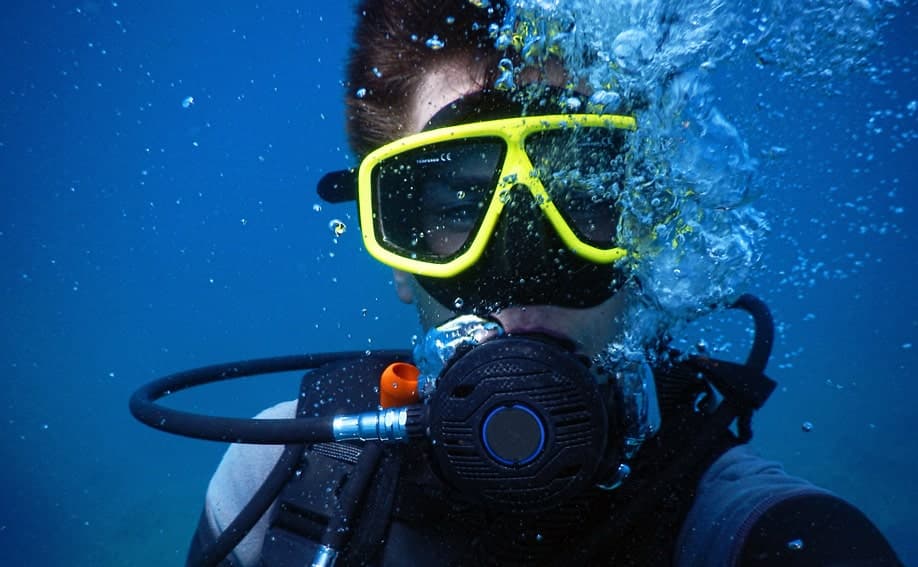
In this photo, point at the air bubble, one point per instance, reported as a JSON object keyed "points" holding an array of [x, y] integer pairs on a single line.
{"points": [[605, 101], [435, 43], [505, 81], [337, 226], [572, 103]]}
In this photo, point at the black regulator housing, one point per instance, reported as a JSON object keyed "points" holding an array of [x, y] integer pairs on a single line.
{"points": [[519, 424]]}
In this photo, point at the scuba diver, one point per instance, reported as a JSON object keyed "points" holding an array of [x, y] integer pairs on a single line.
{"points": [[507, 436]]}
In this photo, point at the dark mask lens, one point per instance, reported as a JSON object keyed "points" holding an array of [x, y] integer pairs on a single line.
{"points": [[432, 199], [582, 169]]}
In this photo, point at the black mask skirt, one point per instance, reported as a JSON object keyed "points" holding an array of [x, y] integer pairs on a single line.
{"points": [[526, 262]]}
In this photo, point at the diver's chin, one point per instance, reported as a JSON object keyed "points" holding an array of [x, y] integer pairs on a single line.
{"points": [[551, 321], [589, 329], [584, 330]]}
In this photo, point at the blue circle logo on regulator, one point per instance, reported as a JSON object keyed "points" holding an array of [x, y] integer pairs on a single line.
{"points": [[513, 434]]}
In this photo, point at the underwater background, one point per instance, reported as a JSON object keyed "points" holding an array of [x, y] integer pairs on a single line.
{"points": [[158, 164]]}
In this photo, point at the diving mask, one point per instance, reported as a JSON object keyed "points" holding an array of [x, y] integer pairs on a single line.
{"points": [[430, 202], [499, 203]]}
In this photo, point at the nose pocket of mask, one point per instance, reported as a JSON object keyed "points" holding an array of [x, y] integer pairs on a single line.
{"points": [[523, 239]]}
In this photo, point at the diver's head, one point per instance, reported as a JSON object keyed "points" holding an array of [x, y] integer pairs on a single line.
{"points": [[485, 212], [463, 206]]}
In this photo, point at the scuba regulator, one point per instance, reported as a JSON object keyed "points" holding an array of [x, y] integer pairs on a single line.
{"points": [[516, 423]]}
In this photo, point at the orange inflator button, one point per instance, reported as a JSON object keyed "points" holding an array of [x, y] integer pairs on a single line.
{"points": [[398, 385]]}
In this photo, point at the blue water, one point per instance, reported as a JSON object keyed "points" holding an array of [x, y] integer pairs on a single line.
{"points": [[140, 236]]}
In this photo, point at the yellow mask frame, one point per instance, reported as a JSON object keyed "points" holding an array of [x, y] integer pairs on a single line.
{"points": [[516, 169]]}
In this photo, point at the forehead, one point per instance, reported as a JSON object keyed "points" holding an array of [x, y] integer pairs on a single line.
{"points": [[450, 81], [437, 90]]}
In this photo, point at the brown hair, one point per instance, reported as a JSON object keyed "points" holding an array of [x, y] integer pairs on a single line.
{"points": [[391, 56]]}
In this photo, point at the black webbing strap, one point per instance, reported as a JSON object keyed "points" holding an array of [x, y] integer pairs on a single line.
{"points": [[744, 389], [340, 494], [307, 505]]}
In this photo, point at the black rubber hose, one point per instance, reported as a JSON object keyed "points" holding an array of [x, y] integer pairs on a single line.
{"points": [[764, 330], [254, 509], [237, 430]]}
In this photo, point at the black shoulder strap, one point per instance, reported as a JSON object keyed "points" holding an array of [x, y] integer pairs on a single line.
{"points": [[744, 388], [696, 430], [319, 499], [650, 508]]}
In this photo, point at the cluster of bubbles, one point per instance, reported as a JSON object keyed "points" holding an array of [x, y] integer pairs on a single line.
{"points": [[809, 39], [688, 201]]}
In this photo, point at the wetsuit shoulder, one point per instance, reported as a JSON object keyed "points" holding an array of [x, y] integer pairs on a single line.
{"points": [[749, 511], [815, 529]]}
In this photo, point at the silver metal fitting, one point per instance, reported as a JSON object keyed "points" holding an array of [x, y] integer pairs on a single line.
{"points": [[382, 425], [325, 557]]}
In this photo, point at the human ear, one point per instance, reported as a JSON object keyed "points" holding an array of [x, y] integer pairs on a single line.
{"points": [[403, 287]]}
